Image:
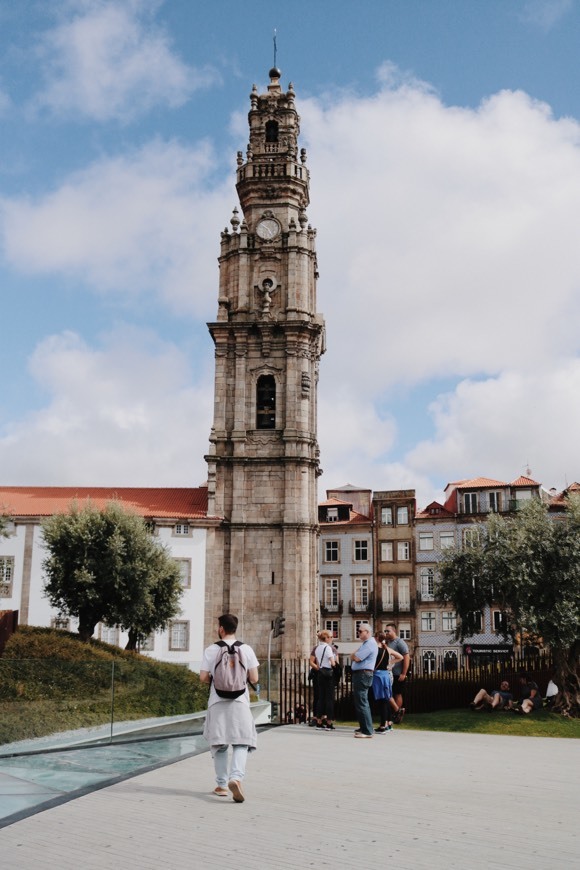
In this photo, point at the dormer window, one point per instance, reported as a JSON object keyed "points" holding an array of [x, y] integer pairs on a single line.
{"points": [[271, 131], [331, 515], [266, 402]]}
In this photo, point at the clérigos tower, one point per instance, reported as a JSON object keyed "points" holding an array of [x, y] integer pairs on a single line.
{"points": [[263, 459]]}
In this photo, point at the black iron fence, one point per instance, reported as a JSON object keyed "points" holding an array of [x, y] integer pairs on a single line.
{"points": [[425, 693]]}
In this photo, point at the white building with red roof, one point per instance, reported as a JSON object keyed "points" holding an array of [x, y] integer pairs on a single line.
{"points": [[177, 516]]}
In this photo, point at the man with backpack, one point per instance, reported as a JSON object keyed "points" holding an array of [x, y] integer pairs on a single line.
{"points": [[227, 666]]}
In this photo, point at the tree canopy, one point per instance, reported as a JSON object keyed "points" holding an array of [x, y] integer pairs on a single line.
{"points": [[105, 566], [529, 566], [4, 520]]}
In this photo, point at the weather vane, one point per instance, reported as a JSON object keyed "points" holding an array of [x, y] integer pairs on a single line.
{"points": [[275, 47]]}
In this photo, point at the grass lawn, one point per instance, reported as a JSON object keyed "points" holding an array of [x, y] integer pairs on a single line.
{"points": [[539, 724]]}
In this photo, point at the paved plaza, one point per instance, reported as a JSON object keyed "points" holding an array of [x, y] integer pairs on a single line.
{"points": [[410, 800]]}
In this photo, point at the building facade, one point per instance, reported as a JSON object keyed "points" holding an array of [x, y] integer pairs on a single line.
{"points": [[263, 460], [394, 545], [458, 523], [346, 562], [178, 517]]}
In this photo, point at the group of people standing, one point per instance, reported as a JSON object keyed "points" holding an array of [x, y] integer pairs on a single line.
{"points": [[380, 663]]}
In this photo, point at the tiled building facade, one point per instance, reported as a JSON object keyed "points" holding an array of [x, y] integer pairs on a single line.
{"points": [[346, 561]]}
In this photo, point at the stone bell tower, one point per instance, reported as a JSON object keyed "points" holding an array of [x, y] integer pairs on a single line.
{"points": [[263, 458]]}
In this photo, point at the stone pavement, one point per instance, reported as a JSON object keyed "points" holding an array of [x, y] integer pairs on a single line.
{"points": [[409, 800]]}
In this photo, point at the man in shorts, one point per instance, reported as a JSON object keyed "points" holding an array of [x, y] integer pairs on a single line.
{"points": [[499, 699], [400, 670]]}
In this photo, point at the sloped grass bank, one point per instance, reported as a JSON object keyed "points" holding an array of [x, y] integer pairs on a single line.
{"points": [[52, 682]]}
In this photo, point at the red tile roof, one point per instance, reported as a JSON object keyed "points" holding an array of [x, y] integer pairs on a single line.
{"points": [[332, 502], [559, 500], [43, 501], [524, 481], [435, 509], [478, 483]]}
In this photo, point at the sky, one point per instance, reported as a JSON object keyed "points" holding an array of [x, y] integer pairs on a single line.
{"points": [[443, 142]]}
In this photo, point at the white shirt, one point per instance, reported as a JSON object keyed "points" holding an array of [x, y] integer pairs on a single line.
{"points": [[209, 660]]}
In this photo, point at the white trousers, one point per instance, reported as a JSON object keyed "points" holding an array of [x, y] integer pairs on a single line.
{"points": [[237, 769]]}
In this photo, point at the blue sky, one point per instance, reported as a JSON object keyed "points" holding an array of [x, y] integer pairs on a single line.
{"points": [[443, 140]]}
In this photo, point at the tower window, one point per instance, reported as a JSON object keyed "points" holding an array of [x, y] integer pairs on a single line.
{"points": [[271, 131], [266, 402]]}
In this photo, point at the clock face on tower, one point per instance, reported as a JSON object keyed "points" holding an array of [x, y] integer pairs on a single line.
{"points": [[268, 228]]}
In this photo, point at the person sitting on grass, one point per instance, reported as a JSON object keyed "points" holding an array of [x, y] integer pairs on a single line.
{"points": [[500, 699], [530, 698]]}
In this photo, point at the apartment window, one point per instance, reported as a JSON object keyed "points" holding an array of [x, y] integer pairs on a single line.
{"points": [[427, 576], [402, 516], [387, 592], [500, 623], [470, 502], [405, 630], [332, 626], [425, 540], [181, 529], [110, 634], [495, 502], [387, 516], [404, 593], [403, 551], [470, 538], [450, 660], [386, 551], [331, 551], [361, 551], [184, 566], [446, 540], [428, 620], [6, 576], [179, 636], [475, 622], [62, 623], [266, 402], [331, 515], [331, 592], [361, 592], [449, 620], [428, 661]]}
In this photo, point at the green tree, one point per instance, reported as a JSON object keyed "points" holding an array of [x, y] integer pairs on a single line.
{"points": [[104, 566], [529, 565], [4, 520]]}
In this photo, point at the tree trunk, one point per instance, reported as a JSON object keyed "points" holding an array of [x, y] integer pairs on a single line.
{"points": [[133, 639], [86, 628], [566, 678]]}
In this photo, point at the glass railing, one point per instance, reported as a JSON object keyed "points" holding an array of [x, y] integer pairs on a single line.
{"points": [[46, 703]]}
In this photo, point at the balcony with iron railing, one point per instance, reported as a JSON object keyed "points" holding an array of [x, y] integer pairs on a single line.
{"points": [[328, 608], [361, 606]]}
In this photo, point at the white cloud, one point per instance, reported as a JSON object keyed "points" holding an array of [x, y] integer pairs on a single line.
{"points": [[447, 248], [546, 13], [107, 60], [142, 222], [499, 426], [128, 412]]}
